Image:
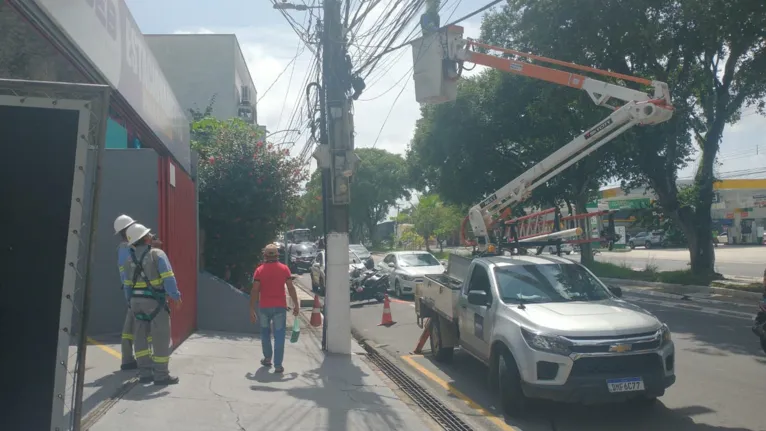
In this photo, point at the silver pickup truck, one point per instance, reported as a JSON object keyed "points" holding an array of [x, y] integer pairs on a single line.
{"points": [[547, 328]]}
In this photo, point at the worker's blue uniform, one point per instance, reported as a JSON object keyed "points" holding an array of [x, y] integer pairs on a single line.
{"points": [[128, 327]]}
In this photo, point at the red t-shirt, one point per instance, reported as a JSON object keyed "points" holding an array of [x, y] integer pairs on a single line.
{"points": [[272, 276]]}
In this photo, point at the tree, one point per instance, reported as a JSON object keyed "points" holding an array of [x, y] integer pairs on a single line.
{"points": [[380, 180], [246, 189], [712, 53], [433, 218]]}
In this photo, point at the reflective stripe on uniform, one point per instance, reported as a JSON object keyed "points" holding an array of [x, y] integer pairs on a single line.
{"points": [[161, 359], [122, 268], [142, 353], [127, 336], [157, 282], [167, 274], [148, 339]]}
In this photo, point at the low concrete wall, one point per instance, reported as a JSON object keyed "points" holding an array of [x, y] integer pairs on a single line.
{"points": [[222, 307]]}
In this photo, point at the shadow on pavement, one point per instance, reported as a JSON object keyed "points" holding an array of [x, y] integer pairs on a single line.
{"points": [[338, 387], [719, 335]]}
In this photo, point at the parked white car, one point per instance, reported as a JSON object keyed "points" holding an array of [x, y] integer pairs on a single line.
{"points": [[566, 248], [406, 268]]}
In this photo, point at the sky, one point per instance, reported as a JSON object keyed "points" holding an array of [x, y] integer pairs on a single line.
{"points": [[385, 115]]}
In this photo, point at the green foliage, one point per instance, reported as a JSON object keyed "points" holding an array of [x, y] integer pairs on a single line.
{"points": [[246, 189], [712, 53], [433, 218], [380, 180], [411, 239], [378, 183]]}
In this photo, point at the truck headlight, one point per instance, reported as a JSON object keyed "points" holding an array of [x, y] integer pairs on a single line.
{"points": [[666, 338], [546, 343]]}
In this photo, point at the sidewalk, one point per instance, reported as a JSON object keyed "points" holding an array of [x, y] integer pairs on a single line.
{"points": [[223, 387]]}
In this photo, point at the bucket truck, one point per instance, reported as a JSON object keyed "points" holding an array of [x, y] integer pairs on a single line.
{"points": [[438, 61], [546, 327]]}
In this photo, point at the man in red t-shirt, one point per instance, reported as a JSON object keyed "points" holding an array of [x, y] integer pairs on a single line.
{"points": [[269, 290]]}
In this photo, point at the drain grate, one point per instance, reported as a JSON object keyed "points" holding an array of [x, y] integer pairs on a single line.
{"points": [[438, 411]]}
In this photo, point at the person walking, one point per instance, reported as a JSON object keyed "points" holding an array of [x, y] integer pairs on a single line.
{"points": [[149, 280], [268, 294]]}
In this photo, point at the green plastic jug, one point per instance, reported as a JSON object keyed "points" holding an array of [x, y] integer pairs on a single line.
{"points": [[296, 330]]}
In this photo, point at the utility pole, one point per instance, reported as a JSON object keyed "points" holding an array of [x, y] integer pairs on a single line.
{"points": [[337, 160]]}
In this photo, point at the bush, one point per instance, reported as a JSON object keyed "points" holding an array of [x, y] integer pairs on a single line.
{"points": [[246, 189]]}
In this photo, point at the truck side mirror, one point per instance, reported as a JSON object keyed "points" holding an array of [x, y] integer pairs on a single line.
{"points": [[478, 297], [616, 290]]}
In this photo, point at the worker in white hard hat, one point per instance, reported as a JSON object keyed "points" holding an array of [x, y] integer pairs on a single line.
{"points": [[121, 224], [149, 281]]}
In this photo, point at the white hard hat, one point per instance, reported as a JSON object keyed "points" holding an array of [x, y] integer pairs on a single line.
{"points": [[122, 222], [135, 232]]}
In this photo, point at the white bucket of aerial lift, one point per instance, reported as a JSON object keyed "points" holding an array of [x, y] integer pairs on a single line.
{"points": [[122, 222], [435, 82]]}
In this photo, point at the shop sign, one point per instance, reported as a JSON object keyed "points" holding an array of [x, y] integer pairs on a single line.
{"points": [[729, 215], [629, 203], [105, 32]]}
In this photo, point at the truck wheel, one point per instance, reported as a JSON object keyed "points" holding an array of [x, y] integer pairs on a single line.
{"points": [[441, 353], [632, 246], [648, 245], [512, 397], [763, 344]]}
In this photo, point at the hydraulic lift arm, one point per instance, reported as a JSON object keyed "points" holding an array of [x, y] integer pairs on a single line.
{"points": [[638, 108]]}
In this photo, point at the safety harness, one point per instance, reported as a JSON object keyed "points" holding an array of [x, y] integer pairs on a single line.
{"points": [[156, 294]]}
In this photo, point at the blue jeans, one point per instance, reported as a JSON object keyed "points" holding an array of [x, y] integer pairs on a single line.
{"points": [[278, 317]]}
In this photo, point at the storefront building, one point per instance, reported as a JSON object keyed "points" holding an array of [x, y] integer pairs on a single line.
{"points": [[739, 207], [148, 169]]}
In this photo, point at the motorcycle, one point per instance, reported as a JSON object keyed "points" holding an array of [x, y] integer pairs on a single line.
{"points": [[759, 325], [368, 284]]}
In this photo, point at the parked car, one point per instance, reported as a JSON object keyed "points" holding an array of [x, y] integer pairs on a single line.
{"points": [[361, 251], [301, 256], [566, 248], [318, 269], [407, 268], [646, 239], [722, 238]]}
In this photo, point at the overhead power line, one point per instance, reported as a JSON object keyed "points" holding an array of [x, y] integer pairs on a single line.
{"points": [[408, 42]]}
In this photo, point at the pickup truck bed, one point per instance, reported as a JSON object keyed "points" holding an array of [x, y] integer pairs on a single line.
{"points": [[440, 293]]}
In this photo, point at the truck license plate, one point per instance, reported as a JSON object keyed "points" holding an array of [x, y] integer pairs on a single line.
{"points": [[629, 384]]}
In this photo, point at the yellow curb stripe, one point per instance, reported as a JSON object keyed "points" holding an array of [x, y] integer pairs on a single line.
{"points": [[104, 347], [498, 421]]}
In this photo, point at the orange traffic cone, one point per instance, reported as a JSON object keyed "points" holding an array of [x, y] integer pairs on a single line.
{"points": [[316, 316], [387, 320]]}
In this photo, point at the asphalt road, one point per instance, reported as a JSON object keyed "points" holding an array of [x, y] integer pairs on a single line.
{"points": [[721, 373], [731, 260]]}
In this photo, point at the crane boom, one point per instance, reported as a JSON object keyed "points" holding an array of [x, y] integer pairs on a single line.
{"points": [[438, 84]]}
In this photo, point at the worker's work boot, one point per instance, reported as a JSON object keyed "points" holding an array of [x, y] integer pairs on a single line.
{"points": [[146, 379], [169, 380], [129, 366]]}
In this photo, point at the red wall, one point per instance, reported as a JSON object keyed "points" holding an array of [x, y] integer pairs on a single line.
{"points": [[178, 231]]}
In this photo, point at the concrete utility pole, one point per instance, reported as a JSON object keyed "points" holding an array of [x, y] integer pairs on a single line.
{"points": [[337, 158]]}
